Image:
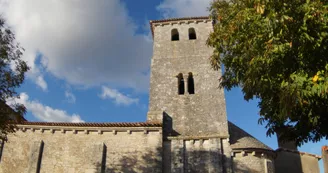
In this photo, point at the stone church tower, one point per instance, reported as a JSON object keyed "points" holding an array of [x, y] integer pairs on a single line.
{"points": [[197, 136], [186, 131], [185, 88], [182, 82]]}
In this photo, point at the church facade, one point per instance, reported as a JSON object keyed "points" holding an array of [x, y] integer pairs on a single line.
{"points": [[186, 129]]}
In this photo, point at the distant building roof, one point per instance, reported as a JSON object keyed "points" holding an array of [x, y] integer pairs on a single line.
{"points": [[239, 139], [298, 152], [175, 19], [123, 124]]}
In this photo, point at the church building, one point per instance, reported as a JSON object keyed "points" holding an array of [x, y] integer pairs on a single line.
{"points": [[186, 131]]}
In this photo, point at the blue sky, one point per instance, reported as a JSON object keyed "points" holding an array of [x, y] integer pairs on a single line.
{"points": [[90, 60]]}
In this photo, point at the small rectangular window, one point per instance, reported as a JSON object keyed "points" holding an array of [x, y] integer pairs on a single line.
{"points": [[191, 84], [174, 35], [192, 34], [181, 86]]}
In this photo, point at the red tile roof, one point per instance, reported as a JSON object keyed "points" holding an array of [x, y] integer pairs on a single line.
{"points": [[123, 124], [175, 19], [324, 148]]}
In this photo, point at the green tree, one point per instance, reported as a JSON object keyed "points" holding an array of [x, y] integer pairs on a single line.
{"points": [[276, 51], [12, 70]]}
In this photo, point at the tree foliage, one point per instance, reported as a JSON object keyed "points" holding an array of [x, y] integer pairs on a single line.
{"points": [[12, 70], [277, 51]]}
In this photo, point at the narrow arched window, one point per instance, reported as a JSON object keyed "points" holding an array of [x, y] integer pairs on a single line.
{"points": [[192, 34], [174, 35], [191, 84], [181, 89]]}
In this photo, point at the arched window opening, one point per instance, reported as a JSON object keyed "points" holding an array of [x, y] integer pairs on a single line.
{"points": [[192, 34], [191, 84], [174, 35], [181, 89]]}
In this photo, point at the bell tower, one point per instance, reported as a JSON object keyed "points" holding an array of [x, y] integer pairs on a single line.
{"points": [[182, 82]]}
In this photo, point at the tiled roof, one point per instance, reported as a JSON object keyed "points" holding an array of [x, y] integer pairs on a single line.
{"points": [[324, 148], [175, 19], [127, 124], [239, 139], [298, 152]]}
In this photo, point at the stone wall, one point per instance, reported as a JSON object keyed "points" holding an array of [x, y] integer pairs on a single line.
{"points": [[194, 155], [82, 150], [253, 162], [202, 113], [295, 161]]}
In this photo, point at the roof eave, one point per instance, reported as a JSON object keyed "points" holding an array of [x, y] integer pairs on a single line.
{"points": [[90, 124]]}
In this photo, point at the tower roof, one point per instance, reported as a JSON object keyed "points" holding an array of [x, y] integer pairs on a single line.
{"points": [[239, 139], [173, 20]]}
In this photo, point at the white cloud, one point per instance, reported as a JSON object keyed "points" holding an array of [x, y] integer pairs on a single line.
{"points": [[184, 8], [45, 113], [70, 97], [41, 83], [82, 42], [119, 98]]}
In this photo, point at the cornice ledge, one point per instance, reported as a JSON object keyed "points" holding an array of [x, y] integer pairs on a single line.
{"points": [[86, 130], [197, 137]]}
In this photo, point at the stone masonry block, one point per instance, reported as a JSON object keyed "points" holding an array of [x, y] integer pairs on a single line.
{"points": [[35, 157]]}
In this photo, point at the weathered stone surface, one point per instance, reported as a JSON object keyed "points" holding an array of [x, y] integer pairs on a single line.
{"points": [[35, 157], [226, 160], [202, 113], [295, 161], [248, 162], [197, 156], [177, 156], [215, 155], [167, 156], [69, 152]]}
